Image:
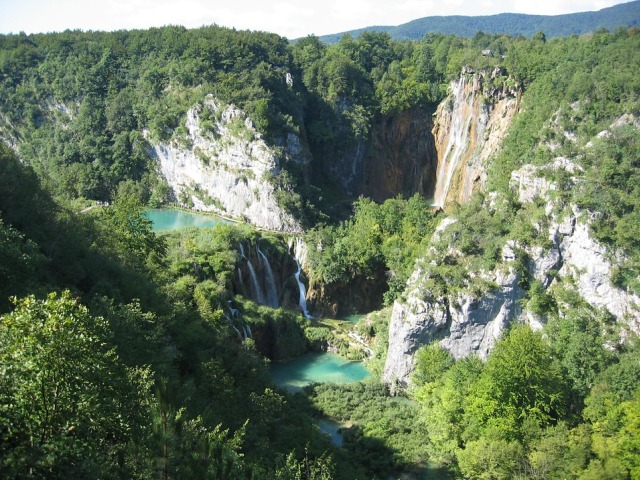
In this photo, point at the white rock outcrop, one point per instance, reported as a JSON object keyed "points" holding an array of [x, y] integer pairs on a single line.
{"points": [[465, 325], [224, 166], [574, 253]]}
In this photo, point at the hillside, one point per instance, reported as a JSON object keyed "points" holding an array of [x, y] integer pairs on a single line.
{"points": [[481, 210], [622, 15]]}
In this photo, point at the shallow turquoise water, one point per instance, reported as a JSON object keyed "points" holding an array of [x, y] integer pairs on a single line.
{"points": [[354, 318], [316, 367], [170, 219]]}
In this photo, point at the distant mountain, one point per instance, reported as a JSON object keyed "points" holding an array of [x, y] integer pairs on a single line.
{"points": [[624, 14]]}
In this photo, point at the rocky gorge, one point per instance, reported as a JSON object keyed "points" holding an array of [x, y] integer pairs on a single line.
{"points": [[221, 163]]}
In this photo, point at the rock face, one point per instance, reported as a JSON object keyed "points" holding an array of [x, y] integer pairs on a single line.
{"points": [[399, 158], [469, 127], [465, 325], [573, 252], [402, 158], [223, 165]]}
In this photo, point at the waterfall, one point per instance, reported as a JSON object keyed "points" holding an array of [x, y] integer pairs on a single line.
{"points": [[240, 336], [303, 292], [255, 286], [256, 289], [458, 141], [240, 277], [272, 295], [299, 249]]}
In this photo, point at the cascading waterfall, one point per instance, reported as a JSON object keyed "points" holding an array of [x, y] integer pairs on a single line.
{"points": [[256, 289], [244, 331], [255, 285], [457, 144], [240, 336], [303, 292], [297, 246], [272, 294]]}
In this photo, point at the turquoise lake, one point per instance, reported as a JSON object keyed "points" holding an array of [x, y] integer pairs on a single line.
{"points": [[296, 374], [165, 219]]}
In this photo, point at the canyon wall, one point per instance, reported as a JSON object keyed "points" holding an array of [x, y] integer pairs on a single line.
{"points": [[224, 166], [467, 323], [402, 157], [469, 127]]}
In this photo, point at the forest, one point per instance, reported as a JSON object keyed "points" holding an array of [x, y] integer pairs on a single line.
{"points": [[117, 356], [514, 24]]}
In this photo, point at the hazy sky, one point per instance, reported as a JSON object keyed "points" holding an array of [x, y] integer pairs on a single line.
{"points": [[289, 18]]}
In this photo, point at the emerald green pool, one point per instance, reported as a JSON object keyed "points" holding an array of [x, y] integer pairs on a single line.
{"points": [[296, 374], [165, 219]]}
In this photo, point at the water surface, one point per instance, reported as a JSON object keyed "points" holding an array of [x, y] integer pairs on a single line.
{"points": [[296, 374], [333, 429], [165, 219], [354, 318]]}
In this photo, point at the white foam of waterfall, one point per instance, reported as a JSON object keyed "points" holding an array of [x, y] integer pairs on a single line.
{"points": [[270, 283], [240, 277], [299, 249], [457, 144], [303, 292], [256, 289]]}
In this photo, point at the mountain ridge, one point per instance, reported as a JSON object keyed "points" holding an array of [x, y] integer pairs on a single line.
{"points": [[624, 14]]}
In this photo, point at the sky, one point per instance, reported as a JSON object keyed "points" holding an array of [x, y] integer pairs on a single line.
{"points": [[289, 18]]}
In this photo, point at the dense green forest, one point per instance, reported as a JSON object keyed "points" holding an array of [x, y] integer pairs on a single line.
{"points": [[624, 14], [118, 358]]}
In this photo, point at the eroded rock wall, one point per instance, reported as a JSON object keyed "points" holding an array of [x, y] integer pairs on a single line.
{"points": [[470, 325], [225, 166], [402, 158], [469, 127]]}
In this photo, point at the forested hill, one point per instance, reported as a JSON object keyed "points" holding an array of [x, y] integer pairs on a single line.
{"points": [[624, 14], [130, 354]]}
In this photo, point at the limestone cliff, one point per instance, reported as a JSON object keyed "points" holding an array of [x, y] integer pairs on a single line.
{"points": [[467, 322], [397, 158], [223, 165], [578, 255], [469, 127], [402, 158], [464, 322]]}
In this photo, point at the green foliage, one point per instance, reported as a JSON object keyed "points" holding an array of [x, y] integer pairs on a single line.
{"points": [[586, 83], [79, 101], [472, 243], [517, 387], [321, 468], [377, 238], [130, 231], [579, 339], [431, 363], [73, 384], [610, 191], [383, 434], [443, 404], [20, 259], [70, 407], [491, 459]]}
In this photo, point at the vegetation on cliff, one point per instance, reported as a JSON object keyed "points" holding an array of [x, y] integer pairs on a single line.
{"points": [[124, 353]]}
